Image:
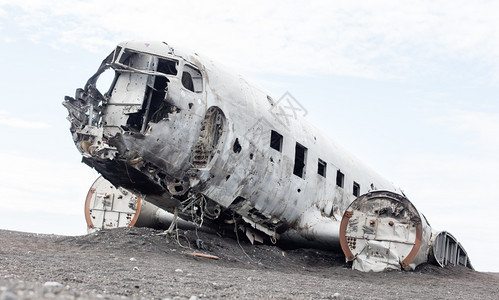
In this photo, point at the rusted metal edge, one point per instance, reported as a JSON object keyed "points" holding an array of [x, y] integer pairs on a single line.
{"points": [[137, 212], [415, 249], [203, 255], [90, 193], [343, 239]]}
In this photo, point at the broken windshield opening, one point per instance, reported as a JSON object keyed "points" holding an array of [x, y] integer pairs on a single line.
{"points": [[105, 81]]}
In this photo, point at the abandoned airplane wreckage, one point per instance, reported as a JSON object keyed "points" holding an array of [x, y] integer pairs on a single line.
{"points": [[175, 132]]}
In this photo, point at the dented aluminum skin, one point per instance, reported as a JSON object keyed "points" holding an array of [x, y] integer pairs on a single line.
{"points": [[184, 133]]}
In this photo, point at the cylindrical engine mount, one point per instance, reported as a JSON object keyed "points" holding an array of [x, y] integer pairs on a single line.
{"points": [[108, 207]]}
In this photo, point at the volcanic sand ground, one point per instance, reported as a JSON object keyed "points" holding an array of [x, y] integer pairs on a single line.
{"points": [[140, 263]]}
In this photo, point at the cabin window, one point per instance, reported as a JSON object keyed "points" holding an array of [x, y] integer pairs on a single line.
{"points": [[340, 178], [300, 160], [321, 168], [187, 81], [356, 189], [236, 147], [276, 141], [192, 79]]}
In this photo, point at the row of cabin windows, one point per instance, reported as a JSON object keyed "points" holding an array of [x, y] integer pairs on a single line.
{"points": [[300, 162]]}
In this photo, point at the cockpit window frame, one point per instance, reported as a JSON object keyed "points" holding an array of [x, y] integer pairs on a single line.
{"points": [[183, 70], [118, 60]]}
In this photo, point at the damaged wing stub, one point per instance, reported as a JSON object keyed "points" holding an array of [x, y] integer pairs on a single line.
{"points": [[446, 250], [383, 230]]}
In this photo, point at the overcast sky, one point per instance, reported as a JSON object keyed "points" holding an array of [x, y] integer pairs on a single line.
{"points": [[409, 87]]}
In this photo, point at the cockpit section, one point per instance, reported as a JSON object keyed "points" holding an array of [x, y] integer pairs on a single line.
{"points": [[138, 90], [130, 90], [138, 118]]}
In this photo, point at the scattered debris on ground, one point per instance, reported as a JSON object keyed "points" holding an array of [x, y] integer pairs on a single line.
{"points": [[143, 263]]}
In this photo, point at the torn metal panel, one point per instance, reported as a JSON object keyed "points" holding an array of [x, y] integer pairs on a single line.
{"points": [[190, 136]]}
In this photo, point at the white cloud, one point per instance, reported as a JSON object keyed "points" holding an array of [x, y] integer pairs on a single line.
{"points": [[442, 176], [45, 185], [385, 39], [7, 39], [20, 123], [481, 128]]}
